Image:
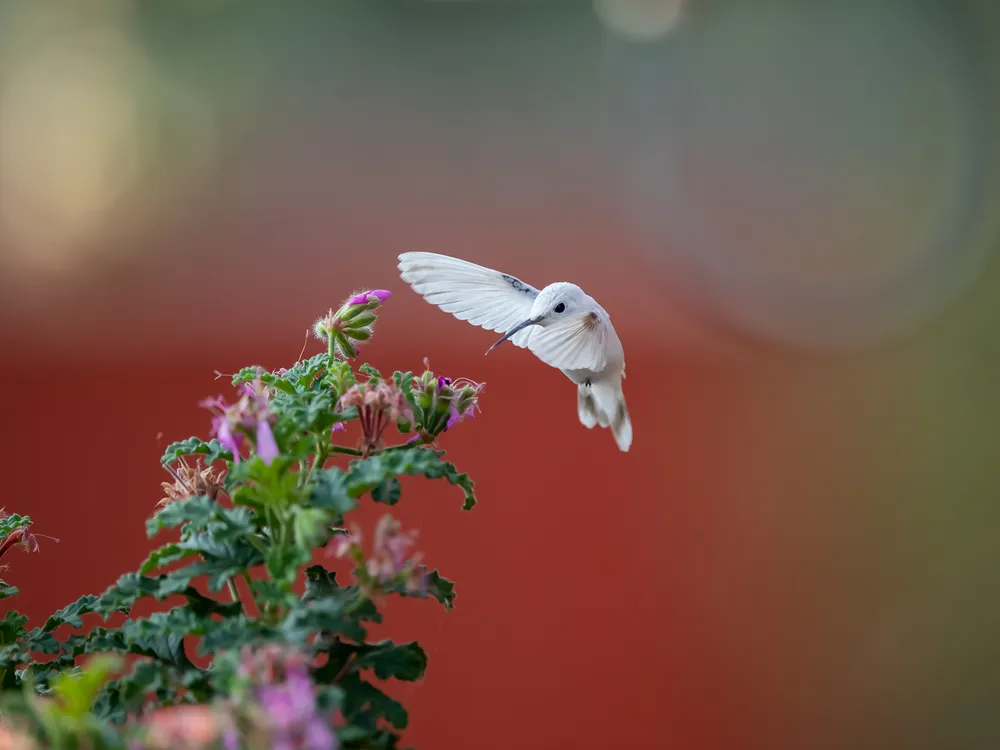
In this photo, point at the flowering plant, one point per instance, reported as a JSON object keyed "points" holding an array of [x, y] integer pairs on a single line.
{"points": [[282, 643]]}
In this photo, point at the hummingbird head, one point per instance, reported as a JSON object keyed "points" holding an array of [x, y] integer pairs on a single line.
{"points": [[555, 302]]}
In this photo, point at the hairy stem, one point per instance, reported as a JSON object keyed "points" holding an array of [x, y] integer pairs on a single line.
{"points": [[348, 451]]}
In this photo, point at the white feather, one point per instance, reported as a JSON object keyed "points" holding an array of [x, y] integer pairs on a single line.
{"points": [[574, 343], [479, 295]]}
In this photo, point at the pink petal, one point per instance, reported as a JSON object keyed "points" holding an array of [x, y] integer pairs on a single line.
{"points": [[229, 441], [267, 448]]}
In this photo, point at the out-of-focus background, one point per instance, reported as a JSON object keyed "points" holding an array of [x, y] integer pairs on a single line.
{"points": [[790, 210]]}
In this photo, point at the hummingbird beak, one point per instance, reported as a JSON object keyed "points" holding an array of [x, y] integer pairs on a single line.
{"points": [[512, 331]]}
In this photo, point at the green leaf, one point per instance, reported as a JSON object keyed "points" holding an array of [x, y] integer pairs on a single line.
{"points": [[320, 583], [7, 591], [236, 632], [301, 374], [203, 514], [441, 589], [309, 412], [329, 491], [212, 450], [283, 563], [12, 627], [273, 594], [387, 492], [404, 381], [339, 615], [161, 635], [71, 613], [373, 374], [364, 704], [388, 660], [366, 474], [42, 642], [260, 485], [310, 527]]}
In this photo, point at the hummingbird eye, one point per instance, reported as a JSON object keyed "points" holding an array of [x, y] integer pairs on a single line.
{"points": [[559, 308]]}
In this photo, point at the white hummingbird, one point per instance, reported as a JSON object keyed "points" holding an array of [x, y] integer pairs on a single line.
{"points": [[560, 324]]}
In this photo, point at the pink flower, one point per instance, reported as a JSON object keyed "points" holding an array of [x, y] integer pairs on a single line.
{"points": [[25, 538], [344, 543], [251, 413], [380, 295], [378, 405]]}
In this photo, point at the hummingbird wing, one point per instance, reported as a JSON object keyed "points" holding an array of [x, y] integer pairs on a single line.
{"points": [[576, 342], [490, 299]]}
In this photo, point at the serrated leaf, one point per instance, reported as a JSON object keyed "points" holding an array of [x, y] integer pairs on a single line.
{"points": [[329, 616], [12, 627], [404, 381], [203, 513], [236, 632], [193, 446], [320, 583], [6, 591], [366, 474], [161, 635], [373, 374], [273, 594], [389, 660], [283, 563], [42, 642], [125, 592], [387, 492], [71, 613], [329, 491], [364, 704]]}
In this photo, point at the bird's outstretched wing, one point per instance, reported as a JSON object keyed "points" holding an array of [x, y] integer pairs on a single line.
{"points": [[490, 299], [577, 342]]}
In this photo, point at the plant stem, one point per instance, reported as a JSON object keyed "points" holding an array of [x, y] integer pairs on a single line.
{"points": [[322, 453], [348, 451], [233, 592]]}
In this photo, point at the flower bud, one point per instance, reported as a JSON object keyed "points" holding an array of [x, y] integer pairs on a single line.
{"points": [[359, 321], [359, 303], [359, 334]]}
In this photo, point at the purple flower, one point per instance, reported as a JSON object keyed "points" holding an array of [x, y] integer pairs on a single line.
{"points": [[380, 295], [251, 412], [319, 736], [390, 549], [290, 704], [267, 448]]}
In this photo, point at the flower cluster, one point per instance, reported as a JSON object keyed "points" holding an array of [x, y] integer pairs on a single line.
{"points": [[379, 403], [345, 329], [21, 535], [443, 402], [191, 481], [252, 414], [282, 703], [390, 561]]}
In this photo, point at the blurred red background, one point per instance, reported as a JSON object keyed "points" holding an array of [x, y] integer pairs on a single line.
{"points": [[800, 548]]}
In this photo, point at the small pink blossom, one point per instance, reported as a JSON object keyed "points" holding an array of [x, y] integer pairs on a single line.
{"points": [[251, 413], [380, 295]]}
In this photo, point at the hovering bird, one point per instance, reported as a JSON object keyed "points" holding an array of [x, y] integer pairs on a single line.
{"points": [[560, 324]]}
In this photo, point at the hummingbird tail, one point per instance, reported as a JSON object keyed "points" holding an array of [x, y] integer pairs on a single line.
{"points": [[603, 404]]}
